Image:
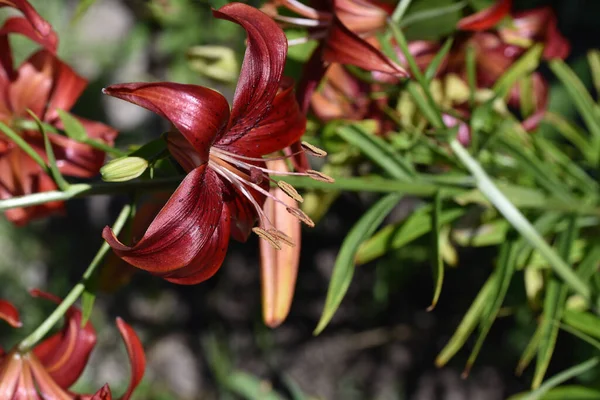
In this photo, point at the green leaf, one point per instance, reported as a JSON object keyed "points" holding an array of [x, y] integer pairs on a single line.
{"points": [[530, 351], [583, 321], [572, 133], [571, 392], [469, 321], [88, 298], [250, 387], [582, 99], [72, 126], [437, 262], [378, 151], [398, 235], [57, 176], [557, 379], [525, 65], [435, 63], [554, 304], [504, 270], [594, 61], [81, 9], [23, 145], [343, 269], [519, 222]]}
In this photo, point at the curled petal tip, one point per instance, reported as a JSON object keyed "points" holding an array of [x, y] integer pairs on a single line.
{"points": [[10, 314], [136, 355], [485, 18]]}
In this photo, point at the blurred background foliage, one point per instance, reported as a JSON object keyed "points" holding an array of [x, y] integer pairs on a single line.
{"points": [[208, 341]]}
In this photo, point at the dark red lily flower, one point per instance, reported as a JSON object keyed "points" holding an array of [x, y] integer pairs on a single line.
{"points": [[539, 25], [55, 364], [343, 28], [32, 25], [42, 84], [222, 151]]}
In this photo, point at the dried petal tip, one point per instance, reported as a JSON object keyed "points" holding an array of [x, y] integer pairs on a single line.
{"points": [[296, 212], [313, 150], [282, 237], [290, 191], [319, 176], [272, 240]]}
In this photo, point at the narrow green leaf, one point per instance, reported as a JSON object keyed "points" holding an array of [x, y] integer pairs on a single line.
{"points": [[583, 321], [571, 392], [431, 13], [88, 298], [400, 10], [435, 63], [583, 336], [437, 262], [589, 265], [504, 271], [81, 9], [72, 126], [559, 378], [343, 269], [594, 61], [469, 322], [525, 65], [471, 64], [23, 145], [430, 112], [581, 98], [572, 133], [519, 222], [378, 151], [55, 173], [250, 387], [398, 235], [554, 304], [530, 351]]}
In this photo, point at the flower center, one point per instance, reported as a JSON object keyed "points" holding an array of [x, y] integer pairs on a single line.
{"points": [[246, 175]]}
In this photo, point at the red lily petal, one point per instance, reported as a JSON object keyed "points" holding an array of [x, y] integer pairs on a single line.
{"points": [[10, 371], [183, 151], [44, 34], [32, 87], [360, 16], [345, 47], [47, 387], [137, 358], [208, 262], [67, 85], [199, 113], [261, 71], [279, 127], [485, 18], [20, 175], [65, 354], [26, 389], [23, 27], [10, 314], [7, 70], [72, 158], [181, 229]]}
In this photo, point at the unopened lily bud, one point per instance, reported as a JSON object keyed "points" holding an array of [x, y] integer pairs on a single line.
{"points": [[215, 62], [123, 169]]}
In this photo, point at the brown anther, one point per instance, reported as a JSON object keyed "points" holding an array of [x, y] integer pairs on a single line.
{"points": [[261, 233], [296, 212], [314, 150], [290, 191], [319, 176], [282, 237]]}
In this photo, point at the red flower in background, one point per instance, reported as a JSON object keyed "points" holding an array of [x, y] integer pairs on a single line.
{"points": [[55, 364], [42, 84], [222, 152]]}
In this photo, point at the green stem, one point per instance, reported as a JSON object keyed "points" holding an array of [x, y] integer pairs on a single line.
{"points": [[424, 186], [75, 292]]}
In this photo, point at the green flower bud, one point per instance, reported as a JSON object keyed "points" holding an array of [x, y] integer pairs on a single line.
{"points": [[123, 169]]}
